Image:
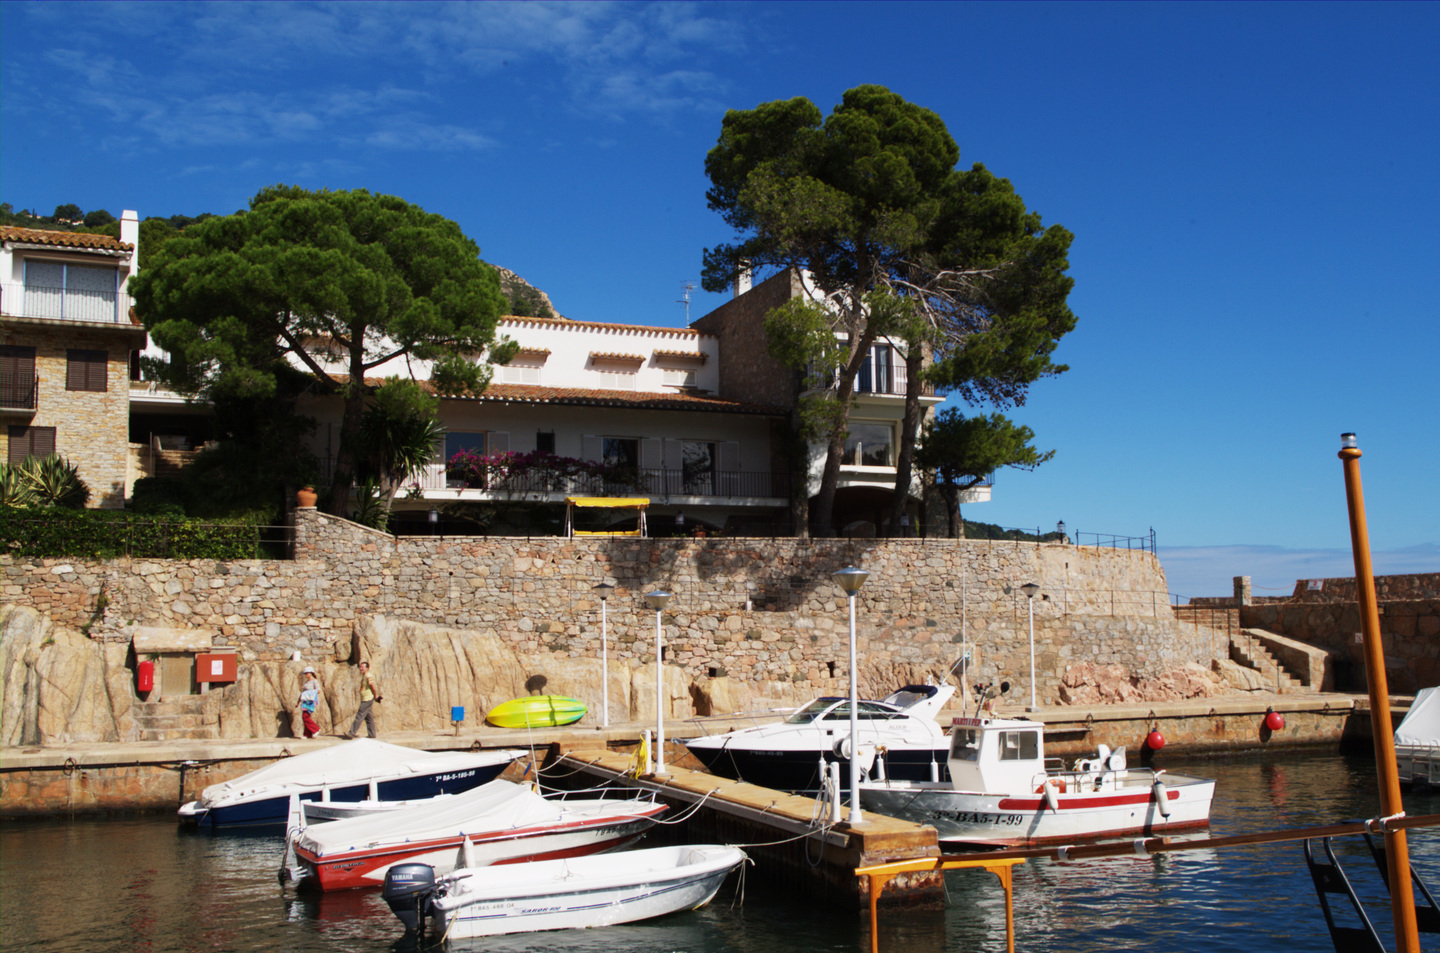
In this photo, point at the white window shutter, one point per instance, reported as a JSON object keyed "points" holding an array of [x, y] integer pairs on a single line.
{"points": [[499, 441], [674, 458], [591, 447], [651, 453]]}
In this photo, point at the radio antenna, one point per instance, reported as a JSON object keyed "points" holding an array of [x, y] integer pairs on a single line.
{"points": [[689, 286]]}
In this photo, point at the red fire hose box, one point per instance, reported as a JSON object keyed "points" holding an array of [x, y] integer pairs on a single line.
{"points": [[215, 667], [145, 676]]}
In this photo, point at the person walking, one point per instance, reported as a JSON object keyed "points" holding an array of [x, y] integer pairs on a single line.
{"points": [[309, 698], [369, 695]]}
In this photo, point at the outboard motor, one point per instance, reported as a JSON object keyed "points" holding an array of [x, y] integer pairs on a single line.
{"points": [[407, 890]]}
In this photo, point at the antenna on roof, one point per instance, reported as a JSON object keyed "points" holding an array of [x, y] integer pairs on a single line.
{"points": [[689, 287]]}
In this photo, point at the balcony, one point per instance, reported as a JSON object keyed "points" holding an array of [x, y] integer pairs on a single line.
{"points": [[18, 392], [64, 304], [654, 482]]}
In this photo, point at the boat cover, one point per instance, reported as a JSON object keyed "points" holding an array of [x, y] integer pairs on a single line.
{"points": [[497, 806], [350, 763], [1421, 724]]}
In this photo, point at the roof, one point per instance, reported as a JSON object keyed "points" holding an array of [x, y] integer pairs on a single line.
{"points": [[567, 323], [593, 397], [40, 236]]}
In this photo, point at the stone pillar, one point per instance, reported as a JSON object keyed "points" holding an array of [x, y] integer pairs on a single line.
{"points": [[1242, 591]]}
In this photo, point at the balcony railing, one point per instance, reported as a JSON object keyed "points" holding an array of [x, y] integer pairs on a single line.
{"points": [[63, 304], [653, 482], [18, 391]]}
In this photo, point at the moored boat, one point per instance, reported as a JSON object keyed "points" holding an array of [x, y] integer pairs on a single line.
{"points": [[790, 755], [351, 771], [560, 894], [499, 823], [1417, 740], [1002, 794]]}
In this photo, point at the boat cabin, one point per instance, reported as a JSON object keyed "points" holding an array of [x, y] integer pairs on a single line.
{"points": [[996, 755]]}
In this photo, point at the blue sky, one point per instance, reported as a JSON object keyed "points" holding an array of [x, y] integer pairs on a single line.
{"points": [[1252, 188]]}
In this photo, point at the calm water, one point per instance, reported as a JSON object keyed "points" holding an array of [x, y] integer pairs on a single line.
{"points": [[140, 885]]}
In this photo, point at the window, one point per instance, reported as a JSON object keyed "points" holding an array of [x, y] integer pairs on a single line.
{"points": [[697, 466], [620, 452], [17, 376], [1019, 745], [520, 374], [545, 441], [74, 292], [85, 370], [678, 377], [30, 442], [869, 445], [613, 379], [876, 376], [965, 744]]}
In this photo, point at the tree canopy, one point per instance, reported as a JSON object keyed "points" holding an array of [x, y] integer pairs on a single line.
{"points": [[961, 452], [899, 243], [336, 282]]}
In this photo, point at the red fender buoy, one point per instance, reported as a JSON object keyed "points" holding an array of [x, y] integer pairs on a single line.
{"points": [[1155, 741], [1274, 720]]}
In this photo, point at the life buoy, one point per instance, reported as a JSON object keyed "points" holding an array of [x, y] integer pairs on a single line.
{"points": [[1057, 783]]}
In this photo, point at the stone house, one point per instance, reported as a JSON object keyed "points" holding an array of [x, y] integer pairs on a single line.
{"points": [[67, 337]]}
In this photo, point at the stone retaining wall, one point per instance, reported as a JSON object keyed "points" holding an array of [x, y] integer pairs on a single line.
{"points": [[751, 621]]}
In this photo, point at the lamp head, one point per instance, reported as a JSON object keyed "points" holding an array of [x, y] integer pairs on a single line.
{"points": [[1347, 441], [602, 590], [658, 599], [1030, 589], [1060, 527], [850, 579]]}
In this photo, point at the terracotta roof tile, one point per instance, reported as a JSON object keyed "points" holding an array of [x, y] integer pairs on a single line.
{"points": [[697, 356], [615, 356], [596, 397], [40, 236], [568, 323]]}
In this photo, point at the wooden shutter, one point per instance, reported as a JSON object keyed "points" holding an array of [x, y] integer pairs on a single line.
{"points": [[30, 442], [17, 376], [85, 370]]}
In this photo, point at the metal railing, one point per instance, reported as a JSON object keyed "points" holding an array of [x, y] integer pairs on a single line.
{"points": [[64, 304], [19, 391], [655, 482]]}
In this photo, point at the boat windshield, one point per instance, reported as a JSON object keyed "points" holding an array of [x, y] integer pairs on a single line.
{"points": [[810, 712], [965, 744]]}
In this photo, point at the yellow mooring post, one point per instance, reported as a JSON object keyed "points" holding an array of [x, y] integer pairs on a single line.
{"points": [[1397, 853], [882, 874]]}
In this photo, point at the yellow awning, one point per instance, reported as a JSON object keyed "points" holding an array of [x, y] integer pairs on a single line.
{"points": [[631, 502]]}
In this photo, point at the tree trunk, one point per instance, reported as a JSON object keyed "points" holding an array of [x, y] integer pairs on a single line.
{"points": [[345, 456], [909, 427], [824, 509]]}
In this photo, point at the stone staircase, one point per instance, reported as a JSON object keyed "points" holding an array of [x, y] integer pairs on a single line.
{"points": [[176, 718], [1248, 652]]}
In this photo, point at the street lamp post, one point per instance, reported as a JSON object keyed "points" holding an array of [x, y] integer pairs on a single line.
{"points": [[1030, 589], [851, 579], [603, 590], [1060, 528], [657, 601]]}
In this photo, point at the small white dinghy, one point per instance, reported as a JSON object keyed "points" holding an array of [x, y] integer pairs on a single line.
{"points": [[1001, 794], [595, 891]]}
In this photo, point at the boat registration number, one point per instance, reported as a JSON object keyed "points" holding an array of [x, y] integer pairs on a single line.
{"points": [[454, 777], [977, 817]]}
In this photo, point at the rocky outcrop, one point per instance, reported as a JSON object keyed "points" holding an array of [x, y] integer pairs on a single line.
{"points": [[1087, 684], [59, 686]]}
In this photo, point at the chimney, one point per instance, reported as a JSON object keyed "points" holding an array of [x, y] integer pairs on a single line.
{"points": [[742, 279], [130, 234]]}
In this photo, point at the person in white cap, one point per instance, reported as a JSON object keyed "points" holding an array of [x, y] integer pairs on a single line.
{"points": [[309, 698]]}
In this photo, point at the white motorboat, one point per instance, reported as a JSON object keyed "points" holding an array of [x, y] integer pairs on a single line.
{"points": [[560, 894], [317, 812], [498, 823], [1002, 794], [1417, 740], [351, 771], [793, 754]]}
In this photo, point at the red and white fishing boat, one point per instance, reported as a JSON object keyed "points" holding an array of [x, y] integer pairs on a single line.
{"points": [[497, 823], [1001, 793]]}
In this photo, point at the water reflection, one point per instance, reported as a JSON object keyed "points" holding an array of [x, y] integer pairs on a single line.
{"points": [[139, 884]]}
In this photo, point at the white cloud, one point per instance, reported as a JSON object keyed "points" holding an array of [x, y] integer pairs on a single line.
{"points": [[1194, 571]]}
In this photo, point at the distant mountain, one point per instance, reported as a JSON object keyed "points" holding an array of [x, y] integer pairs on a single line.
{"points": [[526, 301]]}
